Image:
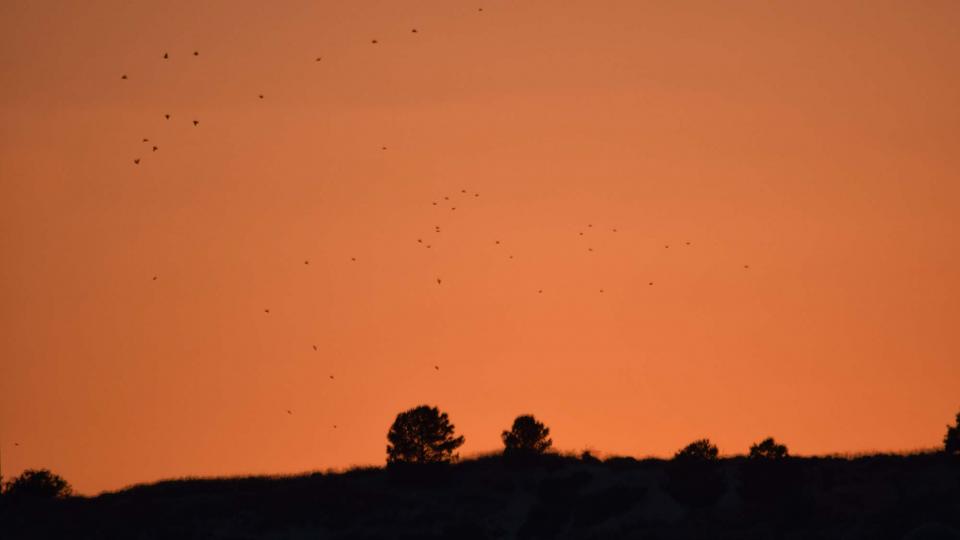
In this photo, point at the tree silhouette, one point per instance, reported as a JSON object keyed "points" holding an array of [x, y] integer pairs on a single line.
{"points": [[951, 441], [527, 437], [699, 450], [768, 449], [422, 435], [694, 476], [37, 484], [769, 476]]}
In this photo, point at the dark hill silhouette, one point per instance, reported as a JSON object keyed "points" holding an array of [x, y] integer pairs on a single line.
{"points": [[880, 496]]}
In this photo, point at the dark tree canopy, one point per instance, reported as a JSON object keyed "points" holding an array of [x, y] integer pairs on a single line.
{"points": [[768, 449], [951, 441], [527, 436], [422, 435], [37, 484], [699, 450]]}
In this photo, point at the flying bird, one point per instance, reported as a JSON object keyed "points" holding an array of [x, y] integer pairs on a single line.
{"points": [[476, 194], [383, 147], [124, 77], [414, 30], [453, 207], [614, 230], [307, 261], [539, 291], [463, 191], [601, 290], [497, 242], [331, 377], [419, 240], [146, 139], [667, 246], [136, 161], [747, 266], [267, 311], [436, 368], [373, 41], [433, 203], [439, 281], [166, 116], [261, 96], [428, 246], [289, 411], [196, 123], [154, 278], [354, 259], [155, 148], [319, 58], [196, 53], [651, 283], [315, 348]]}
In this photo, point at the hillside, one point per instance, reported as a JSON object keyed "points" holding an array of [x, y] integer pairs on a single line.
{"points": [[881, 496]]}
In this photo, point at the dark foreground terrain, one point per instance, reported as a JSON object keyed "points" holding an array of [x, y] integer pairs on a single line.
{"points": [[896, 497]]}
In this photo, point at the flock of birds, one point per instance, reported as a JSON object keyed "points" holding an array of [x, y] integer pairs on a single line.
{"points": [[444, 201]]}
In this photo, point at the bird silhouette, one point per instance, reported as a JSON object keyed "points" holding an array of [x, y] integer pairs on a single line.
{"points": [[463, 191], [601, 290], [373, 41], [539, 291], [433, 203], [124, 77], [154, 278], [319, 58], [746, 266], [688, 243], [289, 411], [334, 426], [383, 147], [146, 139], [307, 261], [667, 246], [155, 148], [196, 53], [581, 233], [453, 208], [511, 257], [165, 56], [476, 194], [651, 283], [446, 198], [196, 123], [315, 348], [136, 161], [419, 240], [436, 368], [261, 96], [497, 242], [166, 116], [439, 281], [590, 249], [413, 30], [614, 230], [353, 259], [331, 377], [589, 225]]}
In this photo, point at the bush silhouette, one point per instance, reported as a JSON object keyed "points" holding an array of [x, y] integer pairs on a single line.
{"points": [[699, 450], [37, 484], [951, 441], [768, 449], [694, 476], [527, 437], [422, 435], [769, 475]]}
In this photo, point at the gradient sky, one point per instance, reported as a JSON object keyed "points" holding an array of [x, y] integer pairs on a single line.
{"points": [[815, 142]]}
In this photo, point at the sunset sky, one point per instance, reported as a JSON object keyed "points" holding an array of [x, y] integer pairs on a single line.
{"points": [[800, 160]]}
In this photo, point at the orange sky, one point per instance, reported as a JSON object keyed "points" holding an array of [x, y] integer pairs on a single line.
{"points": [[816, 142]]}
